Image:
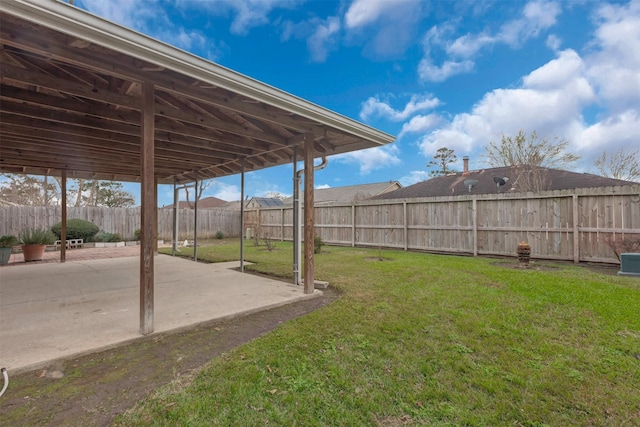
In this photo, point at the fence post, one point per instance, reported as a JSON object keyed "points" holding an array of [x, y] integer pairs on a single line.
{"points": [[353, 225], [576, 231], [405, 232], [474, 225]]}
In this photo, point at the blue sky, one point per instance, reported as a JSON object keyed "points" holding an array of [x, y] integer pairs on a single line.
{"points": [[455, 74]]}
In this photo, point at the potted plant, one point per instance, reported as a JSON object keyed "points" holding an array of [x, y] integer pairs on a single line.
{"points": [[6, 243], [34, 241]]}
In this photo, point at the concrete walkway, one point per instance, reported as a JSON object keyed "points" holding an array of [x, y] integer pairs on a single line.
{"points": [[50, 310]]}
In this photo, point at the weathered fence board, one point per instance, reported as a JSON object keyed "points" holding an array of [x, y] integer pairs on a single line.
{"points": [[565, 225], [123, 221]]}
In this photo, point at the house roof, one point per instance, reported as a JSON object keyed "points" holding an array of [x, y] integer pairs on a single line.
{"points": [[204, 203], [349, 194], [457, 184], [72, 99], [266, 202]]}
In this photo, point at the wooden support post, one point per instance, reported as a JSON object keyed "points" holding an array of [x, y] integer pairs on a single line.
{"points": [[155, 216], [195, 220], [63, 206], [242, 233], [148, 210], [174, 233], [309, 232]]}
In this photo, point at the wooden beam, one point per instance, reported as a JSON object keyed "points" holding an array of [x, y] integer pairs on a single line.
{"points": [[63, 207], [148, 211], [309, 232], [33, 78]]}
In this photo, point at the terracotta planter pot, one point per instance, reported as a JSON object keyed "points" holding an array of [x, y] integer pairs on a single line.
{"points": [[33, 252]]}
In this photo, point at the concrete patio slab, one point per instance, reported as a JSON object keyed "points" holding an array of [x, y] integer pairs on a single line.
{"points": [[50, 311]]}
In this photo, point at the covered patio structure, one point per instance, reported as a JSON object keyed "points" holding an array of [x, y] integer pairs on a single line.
{"points": [[82, 97]]}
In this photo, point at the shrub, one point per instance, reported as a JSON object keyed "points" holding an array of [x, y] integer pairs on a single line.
{"points": [[219, 235], [620, 245], [8, 241], [103, 236], [76, 229], [137, 234], [268, 241], [114, 237], [317, 244], [36, 236]]}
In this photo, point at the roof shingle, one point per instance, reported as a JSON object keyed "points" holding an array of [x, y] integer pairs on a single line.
{"points": [[454, 184]]}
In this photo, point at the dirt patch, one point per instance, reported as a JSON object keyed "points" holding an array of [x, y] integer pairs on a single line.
{"points": [[599, 268], [530, 266], [93, 389]]}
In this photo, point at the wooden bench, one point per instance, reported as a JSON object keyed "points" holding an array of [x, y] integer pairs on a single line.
{"points": [[71, 244]]}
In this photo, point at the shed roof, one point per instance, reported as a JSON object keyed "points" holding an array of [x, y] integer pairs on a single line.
{"points": [[71, 100], [265, 202], [204, 203]]}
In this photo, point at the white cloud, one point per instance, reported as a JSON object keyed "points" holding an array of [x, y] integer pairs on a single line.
{"points": [[248, 14], [420, 124], [374, 106], [322, 186], [557, 73], [323, 38], [364, 12], [589, 100], [553, 42], [224, 191], [615, 65], [550, 101], [322, 35], [414, 177], [468, 45], [372, 158], [433, 73], [386, 28], [148, 17], [620, 130], [537, 16]]}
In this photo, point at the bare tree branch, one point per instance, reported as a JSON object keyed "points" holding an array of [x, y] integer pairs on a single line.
{"points": [[622, 164]]}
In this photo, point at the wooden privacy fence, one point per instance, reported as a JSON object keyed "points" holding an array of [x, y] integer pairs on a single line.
{"points": [[565, 225], [123, 221]]}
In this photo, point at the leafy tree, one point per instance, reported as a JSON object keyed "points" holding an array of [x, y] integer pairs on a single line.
{"points": [[28, 190], [528, 156], [102, 193], [112, 194], [443, 158], [622, 164]]}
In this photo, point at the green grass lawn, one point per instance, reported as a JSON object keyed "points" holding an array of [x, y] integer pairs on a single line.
{"points": [[421, 339]]}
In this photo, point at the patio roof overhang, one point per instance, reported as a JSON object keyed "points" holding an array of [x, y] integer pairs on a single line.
{"points": [[71, 99]]}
